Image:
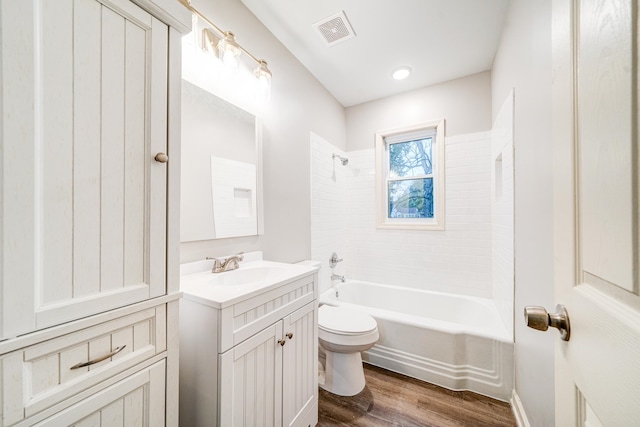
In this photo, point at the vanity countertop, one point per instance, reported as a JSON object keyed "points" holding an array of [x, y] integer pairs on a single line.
{"points": [[253, 277]]}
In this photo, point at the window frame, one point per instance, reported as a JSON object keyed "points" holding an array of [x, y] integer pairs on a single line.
{"points": [[398, 135]]}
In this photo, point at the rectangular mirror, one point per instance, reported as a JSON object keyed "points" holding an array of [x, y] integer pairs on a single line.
{"points": [[221, 175]]}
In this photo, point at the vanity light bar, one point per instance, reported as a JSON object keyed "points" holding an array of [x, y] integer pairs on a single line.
{"points": [[228, 48]]}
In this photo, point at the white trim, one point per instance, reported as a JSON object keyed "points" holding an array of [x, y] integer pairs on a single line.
{"points": [[174, 144], [518, 411], [171, 12], [421, 133], [382, 220], [259, 178]]}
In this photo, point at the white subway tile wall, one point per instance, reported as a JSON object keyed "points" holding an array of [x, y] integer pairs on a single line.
{"points": [[457, 260], [502, 212], [329, 208]]}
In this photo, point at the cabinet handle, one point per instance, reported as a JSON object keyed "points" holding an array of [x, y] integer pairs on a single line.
{"points": [[161, 157], [289, 335], [282, 342], [99, 359]]}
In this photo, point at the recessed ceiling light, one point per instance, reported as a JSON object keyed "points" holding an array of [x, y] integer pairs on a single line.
{"points": [[401, 73]]}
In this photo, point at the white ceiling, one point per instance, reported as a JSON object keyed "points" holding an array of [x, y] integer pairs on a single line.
{"points": [[439, 39]]}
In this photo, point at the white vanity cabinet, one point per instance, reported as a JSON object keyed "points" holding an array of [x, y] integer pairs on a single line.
{"points": [[89, 94], [271, 376], [253, 361]]}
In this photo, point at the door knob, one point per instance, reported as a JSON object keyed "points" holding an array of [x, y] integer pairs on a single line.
{"points": [[538, 318], [161, 157]]}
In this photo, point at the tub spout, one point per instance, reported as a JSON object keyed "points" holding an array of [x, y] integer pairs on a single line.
{"points": [[337, 277]]}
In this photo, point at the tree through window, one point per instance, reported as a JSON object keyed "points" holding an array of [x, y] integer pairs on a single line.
{"points": [[409, 171], [410, 185]]}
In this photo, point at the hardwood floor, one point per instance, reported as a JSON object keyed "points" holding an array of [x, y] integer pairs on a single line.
{"points": [[391, 399]]}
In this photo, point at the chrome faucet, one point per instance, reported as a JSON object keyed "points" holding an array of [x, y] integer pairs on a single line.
{"points": [[336, 277], [226, 264]]}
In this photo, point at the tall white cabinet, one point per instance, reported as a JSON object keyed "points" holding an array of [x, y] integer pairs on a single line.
{"points": [[89, 263]]}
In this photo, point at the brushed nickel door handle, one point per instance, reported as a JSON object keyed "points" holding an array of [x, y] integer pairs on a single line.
{"points": [[99, 359], [289, 335], [538, 318], [282, 342]]}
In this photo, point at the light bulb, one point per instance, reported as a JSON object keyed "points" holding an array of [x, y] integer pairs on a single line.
{"points": [[229, 51], [263, 74]]}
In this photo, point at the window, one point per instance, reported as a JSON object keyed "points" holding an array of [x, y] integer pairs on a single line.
{"points": [[410, 177]]}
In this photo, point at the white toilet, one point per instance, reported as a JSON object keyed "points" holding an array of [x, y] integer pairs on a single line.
{"points": [[343, 333]]}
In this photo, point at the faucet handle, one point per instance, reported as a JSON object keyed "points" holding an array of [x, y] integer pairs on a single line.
{"points": [[240, 256], [217, 264], [334, 260]]}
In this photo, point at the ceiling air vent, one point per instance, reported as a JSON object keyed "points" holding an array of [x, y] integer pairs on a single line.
{"points": [[335, 29]]}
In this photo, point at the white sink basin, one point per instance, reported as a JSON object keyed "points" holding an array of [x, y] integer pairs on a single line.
{"points": [[220, 290], [247, 275]]}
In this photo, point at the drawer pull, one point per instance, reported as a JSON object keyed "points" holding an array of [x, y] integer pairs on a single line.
{"points": [[99, 359], [289, 335]]}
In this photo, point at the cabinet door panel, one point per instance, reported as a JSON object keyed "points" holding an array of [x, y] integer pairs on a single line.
{"points": [[17, 133], [134, 155], [87, 132], [300, 365], [84, 225], [251, 380], [56, 146], [111, 186]]}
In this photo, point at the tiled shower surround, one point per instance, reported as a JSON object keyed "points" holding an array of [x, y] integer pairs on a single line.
{"points": [[456, 260]]}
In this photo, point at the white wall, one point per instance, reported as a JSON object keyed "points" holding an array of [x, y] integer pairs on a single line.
{"points": [[299, 105], [523, 62], [465, 103]]}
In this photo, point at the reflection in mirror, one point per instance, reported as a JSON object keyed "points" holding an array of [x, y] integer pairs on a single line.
{"points": [[220, 178]]}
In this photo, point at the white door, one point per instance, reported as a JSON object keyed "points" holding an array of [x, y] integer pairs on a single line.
{"points": [[597, 223], [83, 87]]}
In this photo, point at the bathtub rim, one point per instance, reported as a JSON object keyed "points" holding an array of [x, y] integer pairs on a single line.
{"points": [[328, 297]]}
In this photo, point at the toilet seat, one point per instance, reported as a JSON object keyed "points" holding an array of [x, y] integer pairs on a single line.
{"points": [[343, 321]]}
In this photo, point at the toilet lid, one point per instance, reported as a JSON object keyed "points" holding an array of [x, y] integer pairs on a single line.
{"points": [[345, 321]]}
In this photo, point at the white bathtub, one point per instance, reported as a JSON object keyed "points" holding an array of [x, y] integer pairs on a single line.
{"points": [[453, 341]]}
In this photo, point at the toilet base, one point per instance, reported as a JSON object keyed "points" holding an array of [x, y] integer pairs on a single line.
{"points": [[344, 374]]}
